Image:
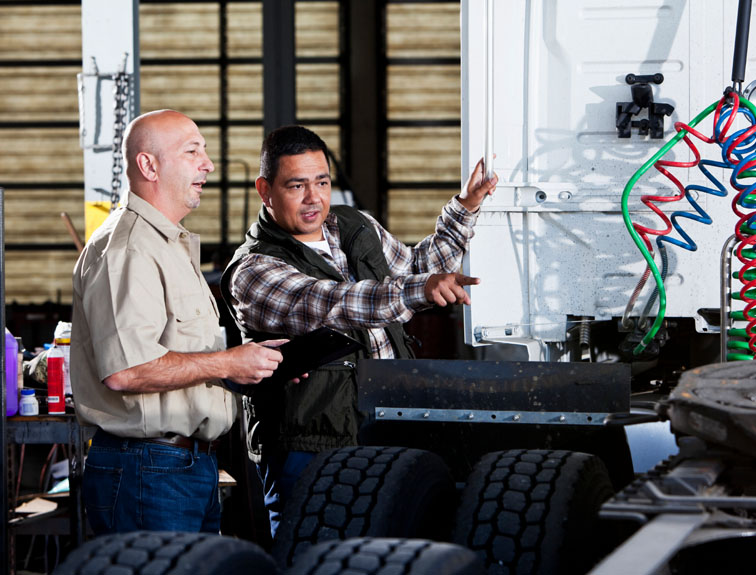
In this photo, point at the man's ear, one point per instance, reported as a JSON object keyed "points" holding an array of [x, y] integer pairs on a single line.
{"points": [[147, 164], [263, 189]]}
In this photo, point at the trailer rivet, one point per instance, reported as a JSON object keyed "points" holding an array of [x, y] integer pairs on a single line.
{"points": [[516, 417], [562, 418], [426, 415], [471, 416], [381, 413]]}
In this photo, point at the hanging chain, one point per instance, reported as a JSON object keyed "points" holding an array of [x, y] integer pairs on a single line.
{"points": [[121, 99]]}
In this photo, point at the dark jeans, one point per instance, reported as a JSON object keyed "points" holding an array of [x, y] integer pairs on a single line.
{"points": [[131, 484], [278, 473]]}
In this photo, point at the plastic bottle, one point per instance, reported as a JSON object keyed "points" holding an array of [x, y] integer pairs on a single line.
{"points": [[11, 374], [56, 403], [28, 404], [63, 341]]}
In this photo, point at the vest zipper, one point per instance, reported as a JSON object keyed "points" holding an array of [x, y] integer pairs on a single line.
{"points": [[337, 363]]}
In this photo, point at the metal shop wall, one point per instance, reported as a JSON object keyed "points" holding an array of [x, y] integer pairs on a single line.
{"points": [[422, 114], [195, 55]]}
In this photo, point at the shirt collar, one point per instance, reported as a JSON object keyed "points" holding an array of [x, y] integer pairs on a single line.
{"points": [[329, 224], [153, 216]]}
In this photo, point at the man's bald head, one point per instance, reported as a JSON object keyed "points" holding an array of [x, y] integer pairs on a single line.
{"points": [[166, 161], [144, 134]]}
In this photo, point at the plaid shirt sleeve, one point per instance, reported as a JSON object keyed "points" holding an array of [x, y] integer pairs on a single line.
{"points": [[440, 252], [270, 295]]}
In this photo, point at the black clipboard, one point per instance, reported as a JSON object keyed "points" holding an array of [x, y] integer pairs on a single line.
{"points": [[304, 353], [307, 352]]}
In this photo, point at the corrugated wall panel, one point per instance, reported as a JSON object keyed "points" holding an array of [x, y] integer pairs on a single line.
{"points": [[36, 219], [316, 27], [426, 92], [190, 30], [423, 92], [192, 90], [245, 97], [39, 276], [422, 30], [41, 32], [318, 91], [179, 30], [423, 154], [40, 155], [415, 212], [38, 95], [244, 29]]}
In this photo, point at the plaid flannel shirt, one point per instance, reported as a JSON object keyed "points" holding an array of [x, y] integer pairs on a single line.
{"points": [[270, 295]]}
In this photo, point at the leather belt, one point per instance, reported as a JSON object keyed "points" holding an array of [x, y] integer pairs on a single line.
{"points": [[186, 443], [104, 438]]}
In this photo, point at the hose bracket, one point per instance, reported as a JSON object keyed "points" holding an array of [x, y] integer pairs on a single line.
{"points": [[643, 98]]}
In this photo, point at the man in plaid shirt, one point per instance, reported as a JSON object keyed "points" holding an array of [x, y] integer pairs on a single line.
{"points": [[304, 266]]}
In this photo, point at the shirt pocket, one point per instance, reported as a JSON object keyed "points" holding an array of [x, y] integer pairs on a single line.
{"points": [[190, 308], [193, 326]]}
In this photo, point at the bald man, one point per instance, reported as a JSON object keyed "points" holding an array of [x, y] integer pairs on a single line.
{"points": [[147, 355]]}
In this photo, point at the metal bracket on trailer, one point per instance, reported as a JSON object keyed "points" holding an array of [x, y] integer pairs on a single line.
{"points": [[488, 416], [650, 548]]}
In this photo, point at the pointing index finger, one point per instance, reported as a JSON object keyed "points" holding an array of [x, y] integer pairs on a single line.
{"points": [[467, 280]]}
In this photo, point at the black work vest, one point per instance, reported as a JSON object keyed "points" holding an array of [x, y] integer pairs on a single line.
{"points": [[321, 411]]}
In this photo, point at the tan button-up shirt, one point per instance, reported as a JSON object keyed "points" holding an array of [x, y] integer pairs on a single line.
{"points": [[139, 293]]}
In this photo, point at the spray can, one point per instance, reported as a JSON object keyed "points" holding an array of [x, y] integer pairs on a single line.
{"points": [[63, 341], [56, 403]]}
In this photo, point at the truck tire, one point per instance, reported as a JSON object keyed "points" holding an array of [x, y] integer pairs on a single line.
{"points": [[534, 511], [167, 553], [367, 491], [369, 556]]}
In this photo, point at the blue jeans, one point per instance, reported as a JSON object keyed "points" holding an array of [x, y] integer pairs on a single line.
{"points": [[131, 484], [278, 473]]}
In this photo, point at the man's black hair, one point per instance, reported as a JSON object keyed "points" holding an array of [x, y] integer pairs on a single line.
{"points": [[287, 141]]}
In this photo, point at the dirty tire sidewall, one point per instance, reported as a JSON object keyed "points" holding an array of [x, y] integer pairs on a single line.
{"points": [[367, 492], [167, 553], [535, 511], [371, 556]]}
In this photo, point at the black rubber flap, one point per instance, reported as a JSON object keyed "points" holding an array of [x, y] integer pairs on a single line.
{"points": [[494, 385]]}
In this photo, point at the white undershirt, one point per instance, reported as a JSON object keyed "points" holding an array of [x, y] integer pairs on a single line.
{"points": [[321, 245]]}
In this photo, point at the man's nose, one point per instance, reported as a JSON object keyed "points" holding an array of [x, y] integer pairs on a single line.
{"points": [[207, 164], [309, 193]]}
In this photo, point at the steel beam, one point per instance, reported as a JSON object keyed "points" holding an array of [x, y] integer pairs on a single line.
{"points": [[652, 546], [364, 92], [3, 429], [279, 70]]}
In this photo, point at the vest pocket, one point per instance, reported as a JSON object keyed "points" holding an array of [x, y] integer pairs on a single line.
{"points": [[323, 406]]}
